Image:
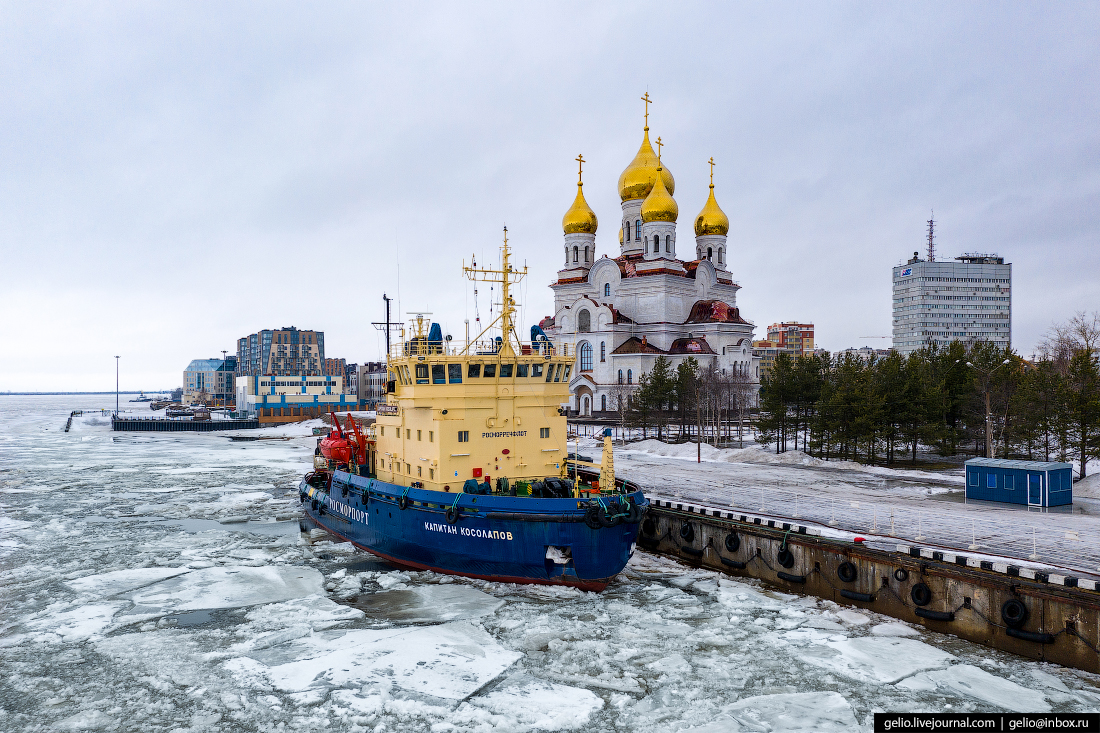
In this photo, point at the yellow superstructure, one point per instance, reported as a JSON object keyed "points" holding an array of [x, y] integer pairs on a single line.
{"points": [[488, 410]]}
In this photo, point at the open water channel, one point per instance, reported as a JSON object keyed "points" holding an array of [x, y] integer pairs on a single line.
{"points": [[153, 582]]}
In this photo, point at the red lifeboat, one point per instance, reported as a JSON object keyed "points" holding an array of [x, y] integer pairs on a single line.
{"points": [[335, 447]]}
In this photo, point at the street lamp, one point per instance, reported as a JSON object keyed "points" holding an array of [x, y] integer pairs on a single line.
{"points": [[116, 386], [987, 373]]}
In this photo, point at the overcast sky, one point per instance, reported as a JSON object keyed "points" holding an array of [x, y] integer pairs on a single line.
{"points": [[176, 175]]}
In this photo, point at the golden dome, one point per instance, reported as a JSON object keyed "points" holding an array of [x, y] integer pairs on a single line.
{"points": [[620, 236], [580, 219], [659, 204], [711, 220], [637, 180]]}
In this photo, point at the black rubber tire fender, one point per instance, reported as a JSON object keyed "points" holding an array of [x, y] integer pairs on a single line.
{"points": [[1014, 613], [607, 517], [313, 505], [592, 516], [634, 513], [847, 572], [687, 532], [921, 594], [649, 526], [732, 542], [402, 502], [785, 558], [901, 575], [452, 514]]}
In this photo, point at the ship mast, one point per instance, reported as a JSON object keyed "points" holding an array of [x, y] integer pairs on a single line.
{"points": [[506, 275]]}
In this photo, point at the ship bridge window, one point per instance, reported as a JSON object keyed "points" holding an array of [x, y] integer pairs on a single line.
{"points": [[549, 372], [454, 373], [421, 373], [521, 370], [568, 368], [473, 371], [439, 373], [490, 370], [536, 370], [463, 436], [506, 371], [557, 373]]}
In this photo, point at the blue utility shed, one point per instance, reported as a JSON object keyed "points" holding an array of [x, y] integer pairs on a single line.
{"points": [[1034, 483]]}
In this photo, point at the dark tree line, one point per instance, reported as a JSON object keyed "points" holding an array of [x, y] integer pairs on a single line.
{"points": [[962, 397]]}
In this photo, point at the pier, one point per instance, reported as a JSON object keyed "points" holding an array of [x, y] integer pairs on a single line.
{"points": [[167, 425], [1013, 607]]}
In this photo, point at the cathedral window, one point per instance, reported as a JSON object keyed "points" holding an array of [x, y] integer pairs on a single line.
{"points": [[586, 356], [710, 253], [607, 290], [603, 351], [630, 376], [620, 376], [647, 245], [586, 254], [584, 321], [603, 403], [668, 243], [721, 256], [574, 254], [637, 229], [627, 237]]}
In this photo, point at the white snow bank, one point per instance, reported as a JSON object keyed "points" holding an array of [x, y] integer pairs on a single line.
{"points": [[884, 660], [1088, 487], [451, 661], [762, 454], [229, 587], [970, 681]]}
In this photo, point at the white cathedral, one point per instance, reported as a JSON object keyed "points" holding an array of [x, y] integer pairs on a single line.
{"points": [[622, 313]]}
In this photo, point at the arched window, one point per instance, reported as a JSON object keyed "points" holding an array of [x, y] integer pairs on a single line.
{"points": [[603, 351], [607, 290], [710, 252], [574, 254], [721, 255], [620, 376], [630, 376], [637, 229], [586, 254], [603, 403], [586, 356], [668, 243], [627, 237], [584, 321]]}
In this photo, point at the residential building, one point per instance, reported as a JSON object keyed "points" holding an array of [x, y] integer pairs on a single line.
{"points": [[335, 367], [765, 352], [209, 381], [372, 379], [937, 302], [281, 352], [620, 314], [798, 337]]}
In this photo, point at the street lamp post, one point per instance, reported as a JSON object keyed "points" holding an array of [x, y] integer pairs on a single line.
{"points": [[116, 386], [987, 374]]}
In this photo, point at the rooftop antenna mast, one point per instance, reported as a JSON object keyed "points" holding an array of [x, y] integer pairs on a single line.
{"points": [[932, 238], [506, 276], [387, 325]]}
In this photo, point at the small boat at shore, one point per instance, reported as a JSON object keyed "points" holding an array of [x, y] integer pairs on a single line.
{"points": [[466, 470]]}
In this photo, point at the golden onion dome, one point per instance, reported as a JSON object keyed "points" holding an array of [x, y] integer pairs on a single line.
{"points": [[620, 236], [580, 219], [711, 220], [659, 204], [637, 180]]}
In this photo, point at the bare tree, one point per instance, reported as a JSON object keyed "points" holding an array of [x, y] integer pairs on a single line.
{"points": [[1063, 339], [620, 396]]}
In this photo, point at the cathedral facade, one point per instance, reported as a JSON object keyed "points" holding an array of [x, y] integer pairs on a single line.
{"points": [[623, 312]]}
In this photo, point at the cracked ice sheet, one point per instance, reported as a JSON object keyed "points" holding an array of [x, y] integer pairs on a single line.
{"points": [[876, 659], [429, 604], [812, 712], [120, 581], [451, 661], [229, 587], [75, 624], [970, 681], [533, 704]]}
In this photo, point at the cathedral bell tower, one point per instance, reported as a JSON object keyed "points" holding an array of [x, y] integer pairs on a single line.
{"points": [[579, 225], [635, 184], [659, 212], [711, 228]]}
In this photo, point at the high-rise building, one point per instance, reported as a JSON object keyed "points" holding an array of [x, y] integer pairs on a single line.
{"points": [[937, 302], [334, 367], [282, 352], [209, 381], [798, 338]]}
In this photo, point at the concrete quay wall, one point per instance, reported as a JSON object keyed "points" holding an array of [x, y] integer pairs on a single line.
{"points": [[1033, 614]]}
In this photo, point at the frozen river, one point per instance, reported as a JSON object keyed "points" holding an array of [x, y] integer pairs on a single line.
{"points": [[158, 582]]}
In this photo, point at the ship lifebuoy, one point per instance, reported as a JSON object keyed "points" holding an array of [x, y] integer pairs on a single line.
{"points": [[847, 572], [921, 594], [732, 542], [687, 532], [1014, 613]]}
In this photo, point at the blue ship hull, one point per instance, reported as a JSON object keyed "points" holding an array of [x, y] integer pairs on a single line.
{"points": [[500, 538]]}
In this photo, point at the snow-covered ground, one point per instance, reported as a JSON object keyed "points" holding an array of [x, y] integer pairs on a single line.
{"points": [[148, 584]]}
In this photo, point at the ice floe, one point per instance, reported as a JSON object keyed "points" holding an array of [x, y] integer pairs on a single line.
{"points": [[539, 705], [229, 587], [877, 659], [974, 682], [428, 604]]}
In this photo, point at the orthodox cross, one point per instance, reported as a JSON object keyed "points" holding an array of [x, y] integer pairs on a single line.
{"points": [[712, 172], [659, 144], [647, 100], [580, 166]]}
